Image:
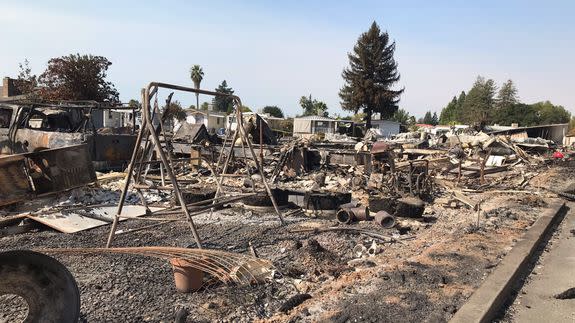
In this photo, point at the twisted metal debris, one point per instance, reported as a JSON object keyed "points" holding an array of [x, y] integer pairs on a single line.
{"points": [[225, 266]]}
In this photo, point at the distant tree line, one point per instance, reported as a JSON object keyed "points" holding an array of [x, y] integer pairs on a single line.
{"points": [[484, 104], [429, 118]]}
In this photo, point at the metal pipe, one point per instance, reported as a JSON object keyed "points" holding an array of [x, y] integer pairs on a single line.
{"points": [[344, 216], [126, 184], [260, 167], [261, 142], [360, 213], [385, 219], [171, 175]]}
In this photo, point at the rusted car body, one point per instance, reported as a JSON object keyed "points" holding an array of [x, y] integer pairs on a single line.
{"points": [[31, 127]]}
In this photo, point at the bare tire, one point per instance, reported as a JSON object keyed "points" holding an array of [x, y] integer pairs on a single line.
{"points": [[43, 282]]}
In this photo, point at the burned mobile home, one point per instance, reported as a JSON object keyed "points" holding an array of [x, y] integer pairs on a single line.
{"points": [[28, 126]]}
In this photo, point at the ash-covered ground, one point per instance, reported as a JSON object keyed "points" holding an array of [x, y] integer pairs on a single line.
{"points": [[426, 276]]}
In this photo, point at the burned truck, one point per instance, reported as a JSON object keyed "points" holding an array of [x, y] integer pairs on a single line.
{"points": [[109, 131]]}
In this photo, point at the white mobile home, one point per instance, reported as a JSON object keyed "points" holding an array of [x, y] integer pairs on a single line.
{"points": [[307, 126]]}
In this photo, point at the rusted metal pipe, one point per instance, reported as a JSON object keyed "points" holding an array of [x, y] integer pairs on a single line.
{"points": [[261, 142], [385, 219], [347, 214], [360, 213], [344, 216]]}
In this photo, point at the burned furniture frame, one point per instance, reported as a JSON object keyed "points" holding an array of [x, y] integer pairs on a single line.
{"points": [[20, 137], [148, 141], [415, 180]]}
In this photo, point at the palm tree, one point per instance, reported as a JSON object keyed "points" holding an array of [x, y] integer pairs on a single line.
{"points": [[197, 75]]}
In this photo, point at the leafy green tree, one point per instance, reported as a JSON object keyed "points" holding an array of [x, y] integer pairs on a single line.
{"points": [[313, 107], [307, 105], [78, 77], [523, 114], [321, 108], [134, 104], [507, 95], [223, 103], [358, 118], [370, 76], [175, 110], [540, 113], [273, 111], [193, 107], [205, 106], [197, 75], [551, 114], [479, 103], [401, 116]]}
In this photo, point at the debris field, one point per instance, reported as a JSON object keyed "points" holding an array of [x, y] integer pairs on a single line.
{"points": [[324, 228]]}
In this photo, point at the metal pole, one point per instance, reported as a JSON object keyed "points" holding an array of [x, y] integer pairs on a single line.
{"points": [[261, 142], [225, 168], [127, 182], [172, 177], [254, 156]]}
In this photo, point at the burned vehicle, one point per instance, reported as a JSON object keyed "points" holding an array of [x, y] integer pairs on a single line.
{"points": [[109, 131]]}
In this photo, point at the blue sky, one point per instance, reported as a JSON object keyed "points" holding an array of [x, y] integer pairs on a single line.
{"points": [[274, 52]]}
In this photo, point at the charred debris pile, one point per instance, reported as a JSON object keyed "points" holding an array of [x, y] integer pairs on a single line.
{"points": [[376, 188]]}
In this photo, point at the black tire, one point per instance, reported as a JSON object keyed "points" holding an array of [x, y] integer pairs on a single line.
{"points": [[47, 286]]}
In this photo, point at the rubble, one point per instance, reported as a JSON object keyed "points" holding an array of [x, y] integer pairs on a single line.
{"points": [[416, 219]]}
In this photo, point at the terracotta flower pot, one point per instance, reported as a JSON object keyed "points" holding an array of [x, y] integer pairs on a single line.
{"points": [[187, 278]]}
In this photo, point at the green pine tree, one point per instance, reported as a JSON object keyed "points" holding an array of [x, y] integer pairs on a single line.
{"points": [[458, 115], [370, 76], [223, 103], [427, 118], [448, 114], [479, 103], [434, 119], [507, 95]]}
